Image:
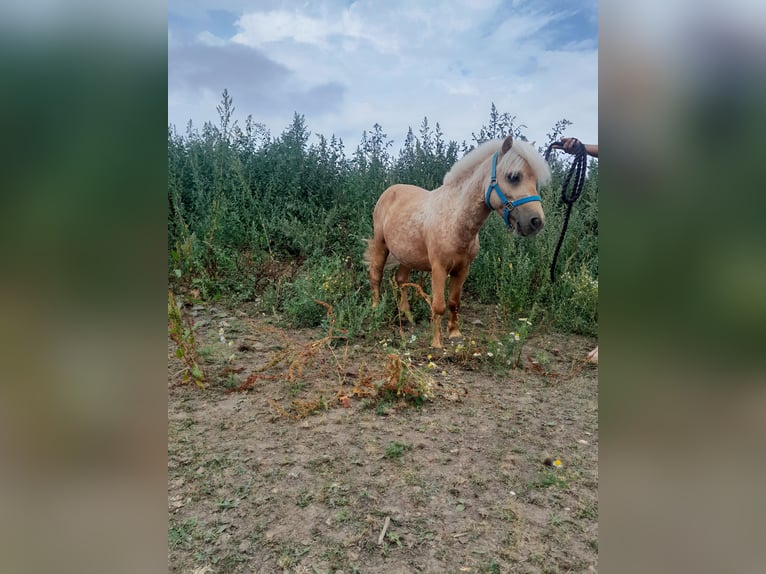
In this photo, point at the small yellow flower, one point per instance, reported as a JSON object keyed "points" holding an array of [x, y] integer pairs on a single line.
{"points": [[431, 365], [510, 266], [444, 372], [430, 357], [557, 463]]}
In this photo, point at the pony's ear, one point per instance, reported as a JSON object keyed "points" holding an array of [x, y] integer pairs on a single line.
{"points": [[507, 143]]}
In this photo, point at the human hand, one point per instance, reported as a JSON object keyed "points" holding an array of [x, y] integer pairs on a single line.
{"points": [[569, 145]]}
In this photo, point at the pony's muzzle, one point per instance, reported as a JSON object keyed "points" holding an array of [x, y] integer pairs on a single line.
{"points": [[529, 227]]}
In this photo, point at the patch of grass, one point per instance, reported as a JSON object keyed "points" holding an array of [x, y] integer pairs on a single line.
{"points": [[336, 495], [412, 478], [323, 461], [589, 511], [181, 535], [207, 352], [295, 388], [304, 499], [291, 554], [336, 556], [226, 504], [343, 516], [382, 408], [229, 561], [542, 358], [396, 449], [549, 478], [491, 568]]}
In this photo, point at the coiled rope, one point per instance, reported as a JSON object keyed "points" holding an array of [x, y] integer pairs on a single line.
{"points": [[575, 177]]}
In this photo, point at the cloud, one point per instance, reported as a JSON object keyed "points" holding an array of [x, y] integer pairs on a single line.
{"points": [[199, 72], [258, 29], [347, 66]]}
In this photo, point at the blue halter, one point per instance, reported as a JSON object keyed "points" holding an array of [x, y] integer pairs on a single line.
{"points": [[509, 205]]}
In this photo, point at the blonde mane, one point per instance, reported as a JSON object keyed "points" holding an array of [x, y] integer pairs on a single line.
{"points": [[519, 153]]}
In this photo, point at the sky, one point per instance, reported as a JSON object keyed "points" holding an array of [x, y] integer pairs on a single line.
{"points": [[346, 65]]}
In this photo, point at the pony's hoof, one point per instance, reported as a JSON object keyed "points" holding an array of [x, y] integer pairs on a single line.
{"points": [[456, 336]]}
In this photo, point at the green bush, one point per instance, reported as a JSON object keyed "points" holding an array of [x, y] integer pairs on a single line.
{"points": [[282, 221]]}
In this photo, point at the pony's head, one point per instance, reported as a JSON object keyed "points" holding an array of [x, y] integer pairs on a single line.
{"points": [[517, 171]]}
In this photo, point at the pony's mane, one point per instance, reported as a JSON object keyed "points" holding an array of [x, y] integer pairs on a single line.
{"points": [[519, 153]]}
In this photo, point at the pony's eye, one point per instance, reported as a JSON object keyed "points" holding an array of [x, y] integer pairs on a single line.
{"points": [[514, 177]]}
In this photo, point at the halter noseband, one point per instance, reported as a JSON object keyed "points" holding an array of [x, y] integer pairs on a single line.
{"points": [[509, 205]]}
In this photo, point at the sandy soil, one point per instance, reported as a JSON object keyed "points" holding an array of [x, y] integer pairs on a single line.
{"points": [[298, 473]]}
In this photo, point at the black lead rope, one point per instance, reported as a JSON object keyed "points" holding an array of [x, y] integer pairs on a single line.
{"points": [[575, 176]]}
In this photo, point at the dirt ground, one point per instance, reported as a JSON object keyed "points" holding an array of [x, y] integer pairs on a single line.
{"points": [[303, 470]]}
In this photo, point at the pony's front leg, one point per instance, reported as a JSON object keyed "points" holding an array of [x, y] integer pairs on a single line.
{"points": [[455, 290], [438, 306]]}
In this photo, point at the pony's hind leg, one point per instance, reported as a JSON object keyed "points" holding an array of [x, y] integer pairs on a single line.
{"points": [[402, 277], [376, 256]]}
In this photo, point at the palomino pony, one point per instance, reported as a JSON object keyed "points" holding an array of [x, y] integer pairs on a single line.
{"points": [[438, 231]]}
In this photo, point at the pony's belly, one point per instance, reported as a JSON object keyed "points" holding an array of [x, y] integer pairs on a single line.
{"points": [[411, 256]]}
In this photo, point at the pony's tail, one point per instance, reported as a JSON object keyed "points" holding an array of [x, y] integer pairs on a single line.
{"points": [[368, 252]]}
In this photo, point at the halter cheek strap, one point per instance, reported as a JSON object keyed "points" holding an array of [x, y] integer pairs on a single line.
{"points": [[509, 205]]}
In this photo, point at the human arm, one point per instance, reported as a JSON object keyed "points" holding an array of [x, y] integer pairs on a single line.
{"points": [[569, 145]]}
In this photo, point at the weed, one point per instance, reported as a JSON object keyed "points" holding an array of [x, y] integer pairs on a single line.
{"points": [[395, 450], [588, 511], [304, 499], [394, 538], [182, 334], [231, 382], [403, 380], [542, 358]]}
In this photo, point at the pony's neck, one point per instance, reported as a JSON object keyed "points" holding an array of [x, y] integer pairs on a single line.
{"points": [[468, 200]]}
